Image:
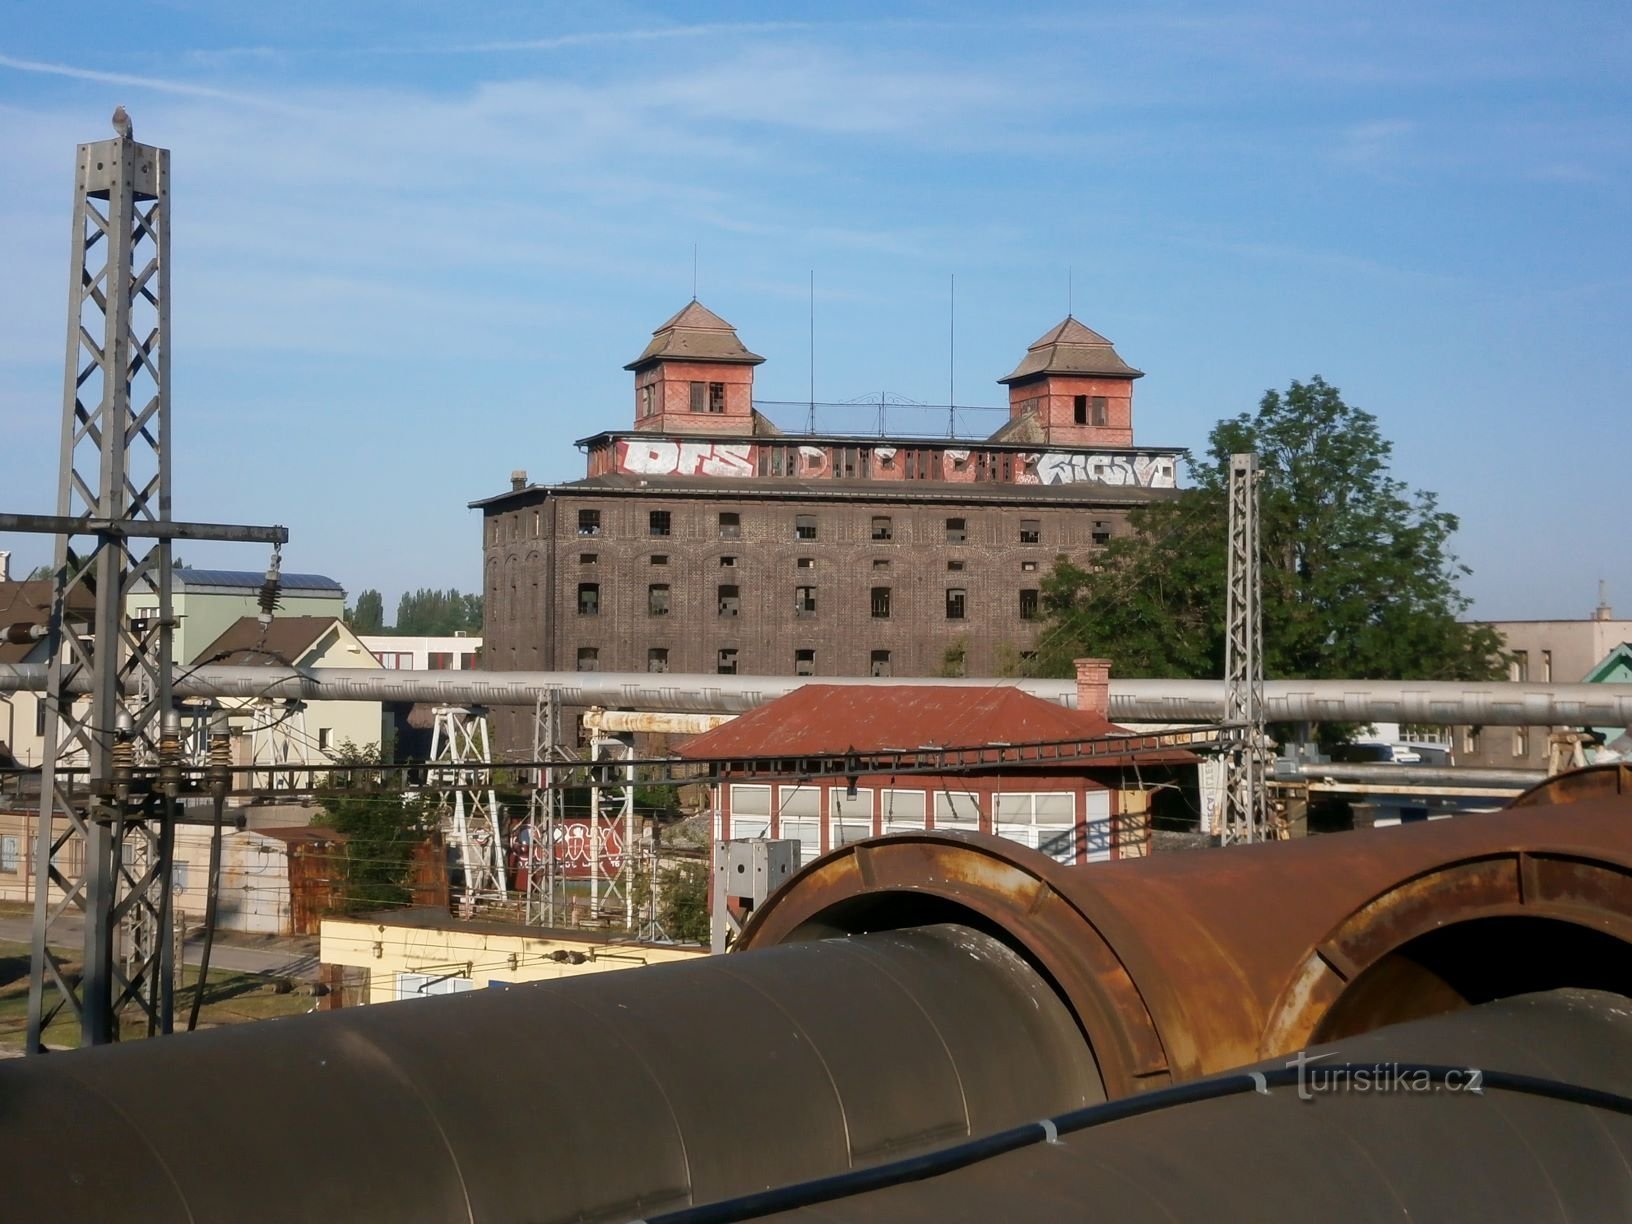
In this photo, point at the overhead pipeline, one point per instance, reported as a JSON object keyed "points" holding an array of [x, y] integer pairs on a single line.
{"points": [[1437, 703]]}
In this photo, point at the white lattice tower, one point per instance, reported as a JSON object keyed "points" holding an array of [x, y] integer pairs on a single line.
{"points": [[278, 743], [466, 802], [1245, 813], [612, 814]]}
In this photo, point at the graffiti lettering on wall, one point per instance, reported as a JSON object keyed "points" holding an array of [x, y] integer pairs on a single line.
{"points": [[1147, 471], [574, 852], [661, 457]]}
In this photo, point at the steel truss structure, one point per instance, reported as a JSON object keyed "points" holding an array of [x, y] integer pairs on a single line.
{"points": [[1245, 801], [279, 744], [613, 868], [460, 772], [106, 828], [544, 878]]}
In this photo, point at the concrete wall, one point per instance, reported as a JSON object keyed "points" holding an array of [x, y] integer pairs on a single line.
{"points": [[475, 955]]}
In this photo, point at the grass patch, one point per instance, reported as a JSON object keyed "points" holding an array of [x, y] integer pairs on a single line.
{"points": [[229, 998]]}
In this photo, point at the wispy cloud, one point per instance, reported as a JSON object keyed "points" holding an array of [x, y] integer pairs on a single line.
{"points": [[161, 85]]}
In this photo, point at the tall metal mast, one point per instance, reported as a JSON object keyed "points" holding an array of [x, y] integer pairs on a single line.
{"points": [[104, 841], [1244, 800]]}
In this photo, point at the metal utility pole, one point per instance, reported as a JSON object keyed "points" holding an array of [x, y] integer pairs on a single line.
{"points": [[1244, 799], [105, 848], [468, 804], [543, 814]]}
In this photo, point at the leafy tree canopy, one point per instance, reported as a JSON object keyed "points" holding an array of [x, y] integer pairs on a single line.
{"points": [[432, 613], [1359, 580], [369, 614], [382, 827]]}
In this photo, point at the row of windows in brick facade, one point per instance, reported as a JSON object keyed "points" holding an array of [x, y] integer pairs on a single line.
{"points": [[879, 565], [725, 660], [728, 525], [728, 601]]}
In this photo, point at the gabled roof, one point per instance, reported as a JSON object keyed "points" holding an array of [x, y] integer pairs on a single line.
{"points": [[1617, 659], [1071, 348], [832, 718], [251, 580], [695, 334], [29, 603], [286, 639]]}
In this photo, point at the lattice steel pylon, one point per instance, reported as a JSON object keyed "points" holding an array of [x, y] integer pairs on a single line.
{"points": [[278, 743], [546, 900], [1245, 806], [467, 805], [115, 474], [612, 875]]}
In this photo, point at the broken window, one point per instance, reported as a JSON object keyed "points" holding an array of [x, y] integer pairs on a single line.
{"points": [[1097, 409], [1028, 567], [805, 563], [804, 662], [1031, 531], [716, 397], [956, 531], [589, 598], [725, 662], [698, 391], [1102, 534], [657, 599], [881, 563], [956, 601], [589, 558], [648, 399], [1030, 604], [730, 600], [804, 527], [659, 523], [954, 567], [882, 528], [880, 663], [660, 558], [589, 658], [804, 601], [730, 525], [728, 562], [589, 522], [657, 658], [1079, 409], [881, 603]]}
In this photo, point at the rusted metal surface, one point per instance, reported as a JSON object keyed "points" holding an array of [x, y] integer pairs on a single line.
{"points": [[1593, 782], [1180, 966], [660, 1087], [1398, 1154]]}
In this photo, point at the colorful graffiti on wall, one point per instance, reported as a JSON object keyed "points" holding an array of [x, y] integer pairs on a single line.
{"points": [[665, 457], [1146, 471], [574, 851]]}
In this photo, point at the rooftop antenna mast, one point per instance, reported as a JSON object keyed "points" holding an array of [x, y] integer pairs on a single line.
{"points": [[951, 359], [1070, 302], [694, 271], [810, 420]]}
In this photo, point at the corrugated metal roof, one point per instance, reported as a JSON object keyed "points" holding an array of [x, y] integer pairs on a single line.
{"points": [[830, 718], [251, 579]]}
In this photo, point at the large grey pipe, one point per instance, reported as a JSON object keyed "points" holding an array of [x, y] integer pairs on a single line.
{"points": [[1434, 703]]}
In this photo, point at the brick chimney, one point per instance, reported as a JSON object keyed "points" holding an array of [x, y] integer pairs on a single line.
{"points": [[1094, 686]]}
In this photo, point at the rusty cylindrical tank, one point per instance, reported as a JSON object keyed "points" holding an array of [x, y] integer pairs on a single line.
{"points": [[1185, 964]]}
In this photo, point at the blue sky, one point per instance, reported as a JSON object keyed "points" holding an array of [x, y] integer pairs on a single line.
{"points": [[415, 244]]}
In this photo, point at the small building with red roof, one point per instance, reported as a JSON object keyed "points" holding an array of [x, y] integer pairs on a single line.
{"points": [[1085, 799]]}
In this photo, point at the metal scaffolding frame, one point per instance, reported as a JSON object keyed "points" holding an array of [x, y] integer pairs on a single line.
{"points": [[612, 806], [278, 743], [466, 803], [1245, 802], [546, 896]]}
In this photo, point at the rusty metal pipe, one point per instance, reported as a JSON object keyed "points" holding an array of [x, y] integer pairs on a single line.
{"points": [[1185, 964], [596, 1098]]}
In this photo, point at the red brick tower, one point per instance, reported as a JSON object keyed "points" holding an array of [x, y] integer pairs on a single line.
{"points": [[695, 377], [1075, 388]]}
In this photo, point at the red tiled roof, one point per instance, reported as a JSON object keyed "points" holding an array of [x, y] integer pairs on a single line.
{"points": [[829, 718]]}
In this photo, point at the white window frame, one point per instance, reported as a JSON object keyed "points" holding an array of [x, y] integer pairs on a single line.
{"points": [[745, 820], [1096, 826], [799, 816], [849, 817], [1021, 816], [892, 821], [947, 803], [11, 854]]}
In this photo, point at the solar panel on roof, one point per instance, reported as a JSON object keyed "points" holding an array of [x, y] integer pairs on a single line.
{"points": [[252, 579]]}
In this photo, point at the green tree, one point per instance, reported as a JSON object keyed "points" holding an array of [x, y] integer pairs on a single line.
{"points": [[682, 907], [369, 614], [1359, 580], [382, 828], [432, 612]]}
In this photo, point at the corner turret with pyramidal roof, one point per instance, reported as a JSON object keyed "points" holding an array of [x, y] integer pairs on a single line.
{"points": [[695, 377], [1070, 389]]}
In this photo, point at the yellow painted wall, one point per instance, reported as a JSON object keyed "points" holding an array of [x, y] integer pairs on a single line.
{"points": [[484, 957]]}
